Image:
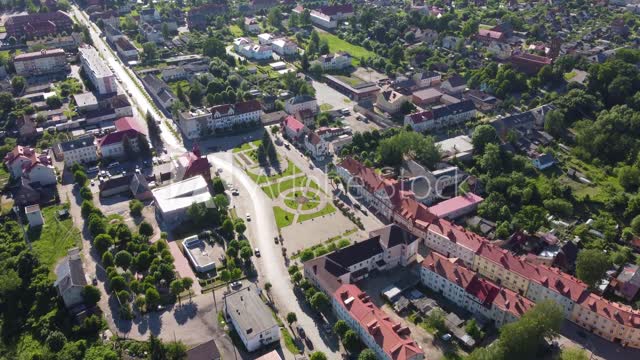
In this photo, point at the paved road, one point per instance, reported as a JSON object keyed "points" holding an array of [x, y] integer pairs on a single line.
{"points": [[130, 85], [261, 230]]}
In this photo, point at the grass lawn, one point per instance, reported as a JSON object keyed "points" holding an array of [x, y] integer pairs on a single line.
{"points": [[236, 31], [310, 205], [276, 189], [183, 83], [4, 177], [283, 217], [51, 241], [337, 44], [291, 203], [568, 76], [325, 107], [247, 146], [326, 211]]}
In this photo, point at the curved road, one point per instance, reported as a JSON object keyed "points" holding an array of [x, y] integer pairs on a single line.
{"points": [[263, 229]]}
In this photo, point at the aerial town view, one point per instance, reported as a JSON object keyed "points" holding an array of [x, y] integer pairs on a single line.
{"points": [[320, 179]]}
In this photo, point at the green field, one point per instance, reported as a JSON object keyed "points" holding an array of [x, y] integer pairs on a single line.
{"points": [[337, 44], [51, 241], [236, 31], [326, 211], [283, 217]]}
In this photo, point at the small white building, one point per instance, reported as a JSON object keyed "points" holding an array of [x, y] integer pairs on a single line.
{"points": [[337, 61], [301, 102], [34, 215], [251, 318], [316, 146], [172, 201], [284, 47], [265, 39]]}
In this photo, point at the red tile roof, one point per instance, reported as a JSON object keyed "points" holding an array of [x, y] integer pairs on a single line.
{"points": [[483, 290], [125, 127], [392, 337], [292, 123], [507, 260], [449, 268], [336, 9], [512, 302], [560, 282], [619, 313]]}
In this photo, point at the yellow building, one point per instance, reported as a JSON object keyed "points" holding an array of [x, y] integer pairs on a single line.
{"points": [[504, 268]]}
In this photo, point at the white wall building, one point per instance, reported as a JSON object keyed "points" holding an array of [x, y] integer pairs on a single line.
{"points": [[82, 150], [251, 318], [97, 70]]}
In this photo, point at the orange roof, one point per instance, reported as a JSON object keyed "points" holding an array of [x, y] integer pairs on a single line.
{"points": [[619, 313], [512, 302], [392, 337], [507, 260]]}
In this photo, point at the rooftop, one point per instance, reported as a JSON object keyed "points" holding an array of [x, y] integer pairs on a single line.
{"points": [[182, 194], [97, 64], [248, 311]]}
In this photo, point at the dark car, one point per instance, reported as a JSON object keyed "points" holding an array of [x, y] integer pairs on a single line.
{"points": [[301, 332]]}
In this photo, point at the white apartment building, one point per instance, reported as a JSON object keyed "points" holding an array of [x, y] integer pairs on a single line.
{"points": [[251, 318], [40, 62], [82, 150], [97, 70], [201, 122]]}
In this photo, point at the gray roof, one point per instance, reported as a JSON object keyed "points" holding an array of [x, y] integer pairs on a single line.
{"points": [[300, 99], [79, 143], [69, 272], [248, 311], [85, 99]]}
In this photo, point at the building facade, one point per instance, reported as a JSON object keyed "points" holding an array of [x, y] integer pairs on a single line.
{"points": [[40, 62], [97, 71]]}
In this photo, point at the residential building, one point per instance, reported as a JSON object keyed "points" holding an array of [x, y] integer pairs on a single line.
{"points": [[125, 49], [498, 49], [529, 64], [160, 92], [195, 123], [149, 14], [248, 49], [97, 71], [490, 35], [441, 116], [337, 61], [388, 339], [251, 25], [251, 318], [38, 24], [82, 150], [426, 97], [293, 128], [67, 43], [71, 279], [24, 162], [627, 283], [454, 85], [151, 33], [86, 101], [40, 62], [109, 17], [391, 101], [301, 102], [173, 200], [34, 215], [284, 47], [544, 161], [317, 147], [338, 12], [123, 142], [265, 39], [482, 100]]}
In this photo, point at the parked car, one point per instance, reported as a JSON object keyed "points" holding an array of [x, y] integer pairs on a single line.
{"points": [[256, 251], [301, 332], [248, 217], [446, 337], [236, 284]]}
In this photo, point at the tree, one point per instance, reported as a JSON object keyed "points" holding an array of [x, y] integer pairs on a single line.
{"points": [[225, 276], [483, 135], [18, 84], [91, 295], [275, 17], [319, 301], [591, 266], [175, 350], [123, 259], [176, 288], [102, 243], [296, 277], [80, 177], [145, 229], [246, 253], [367, 354], [150, 51], [152, 297], [187, 283], [340, 328], [472, 329], [572, 353], [135, 207], [435, 320], [351, 341], [291, 318], [142, 261], [221, 201], [318, 355], [54, 101], [240, 227], [56, 341], [218, 185]]}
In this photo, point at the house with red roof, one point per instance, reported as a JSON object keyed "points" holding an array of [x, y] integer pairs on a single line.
{"points": [[388, 339], [128, 134], [191, 164], [24, 162], [293, 128], [465, 288], [529, 64]]}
